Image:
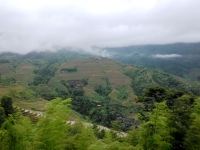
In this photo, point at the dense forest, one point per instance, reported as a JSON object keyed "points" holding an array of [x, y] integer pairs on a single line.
{"points": [[181, 59], [169, 120], [60, 100]]}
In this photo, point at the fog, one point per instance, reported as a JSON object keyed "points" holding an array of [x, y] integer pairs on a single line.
{"points": [[166, 56], [27, 25]]}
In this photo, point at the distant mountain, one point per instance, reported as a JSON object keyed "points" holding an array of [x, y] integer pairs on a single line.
{"points": [[180, 59]]}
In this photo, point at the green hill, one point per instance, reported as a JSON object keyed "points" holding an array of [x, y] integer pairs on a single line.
{"points": [[181, 59], [102, 90]]}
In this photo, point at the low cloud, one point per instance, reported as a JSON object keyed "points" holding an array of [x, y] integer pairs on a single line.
{"points": [[28, 25], [166, 56]]}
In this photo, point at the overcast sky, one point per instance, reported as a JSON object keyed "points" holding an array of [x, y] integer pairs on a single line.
{"points": [[27, 25]]}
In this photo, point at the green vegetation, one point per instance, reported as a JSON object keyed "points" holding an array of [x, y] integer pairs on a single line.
{"points": [[7, 80], [103, 112], [2, 115], [2, 61], [166, 124], [6, 103], [157, 110], [44, 73], [104, 90], [171, 124], [192, 135], [186, 65], [53, 132], [122, 93], [143, 79], [73, 69]]}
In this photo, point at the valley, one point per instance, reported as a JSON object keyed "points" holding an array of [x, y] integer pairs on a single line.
{"points": [[99, 75], [101, 93]]}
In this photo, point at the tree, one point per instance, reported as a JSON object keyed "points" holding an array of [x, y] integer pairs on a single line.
{"points": [[6, 103], [2, 115], [155, 133], [18, 132], [157, 93], [51, 130], [119, 146], [193, 134], [4, 140], [104, 90], [97, 146], [153, 95], [99, 133], [181, 120]]}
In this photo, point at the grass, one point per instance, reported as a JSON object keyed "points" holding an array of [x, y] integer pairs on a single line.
{"points": [[24, 73], [33, 103], [37, 104], [96, 71]]}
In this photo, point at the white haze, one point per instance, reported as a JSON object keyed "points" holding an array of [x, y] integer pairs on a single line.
{"points": [[27, 25], [166, 56]]}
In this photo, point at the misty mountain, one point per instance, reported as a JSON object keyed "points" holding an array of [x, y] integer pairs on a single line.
{"points": [[180, 59]]}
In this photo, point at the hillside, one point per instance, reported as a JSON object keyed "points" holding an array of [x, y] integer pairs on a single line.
{"points": [[31, 81], [143, 78], [181, 59], [104, 91], [82, 98], [42, 69]]}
